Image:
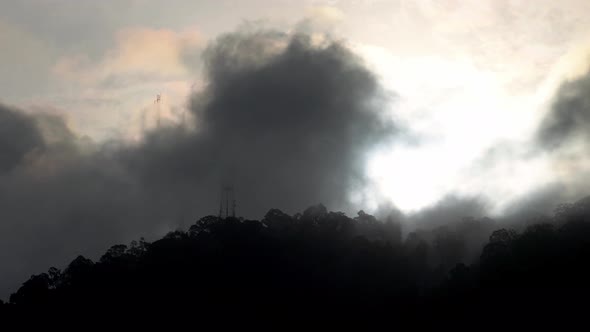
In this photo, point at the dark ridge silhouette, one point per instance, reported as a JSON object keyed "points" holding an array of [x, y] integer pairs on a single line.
{"points": [[325, 262]]}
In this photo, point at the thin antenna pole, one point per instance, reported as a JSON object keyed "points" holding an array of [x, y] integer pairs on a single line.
{"points": [[220, 203], [233, 208], [227, 197], [226, 202], [158, 99]]}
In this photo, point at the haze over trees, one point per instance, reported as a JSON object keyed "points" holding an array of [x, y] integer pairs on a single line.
{"points": [[327, 261], [292, 116]]}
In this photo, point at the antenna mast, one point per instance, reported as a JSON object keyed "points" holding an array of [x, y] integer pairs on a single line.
{"points": [[157, 102], [227, 202]]}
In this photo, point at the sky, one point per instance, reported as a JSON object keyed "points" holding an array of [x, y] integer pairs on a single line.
{"points": [[358, 104]]}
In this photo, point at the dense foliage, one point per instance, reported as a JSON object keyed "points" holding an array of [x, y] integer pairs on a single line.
{"points": [[326, 261]]}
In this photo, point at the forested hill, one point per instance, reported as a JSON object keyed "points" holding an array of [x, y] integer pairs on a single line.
{"points": [[331, 262]]}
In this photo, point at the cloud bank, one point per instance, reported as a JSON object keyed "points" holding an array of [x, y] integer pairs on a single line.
{"points": [[287, 120], [569, 119]]}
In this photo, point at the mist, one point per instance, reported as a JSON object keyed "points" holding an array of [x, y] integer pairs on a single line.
{"points": [[289, 120], [286, 120]]}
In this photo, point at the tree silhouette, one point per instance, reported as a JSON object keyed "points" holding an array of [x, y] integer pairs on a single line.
{"points": [[328, 262]]}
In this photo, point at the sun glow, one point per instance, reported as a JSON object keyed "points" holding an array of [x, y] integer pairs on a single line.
{"points": [[456, 113]]}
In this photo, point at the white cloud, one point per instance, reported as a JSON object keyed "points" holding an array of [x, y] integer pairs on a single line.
{"points": [[114, 94], [482, 83], [158, 53]]}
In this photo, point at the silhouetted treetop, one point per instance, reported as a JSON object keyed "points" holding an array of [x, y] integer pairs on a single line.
{"points": [[331, 262]]}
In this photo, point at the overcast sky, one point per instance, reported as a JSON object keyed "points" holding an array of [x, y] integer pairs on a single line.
{"points": [[475, 93], [468, 75]]}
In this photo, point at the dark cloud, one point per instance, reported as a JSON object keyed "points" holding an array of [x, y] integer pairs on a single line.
{"points": [[537, 205], [288, 128], [18, 137], [67, 196], [569, 117], [449, 210], [286, 121], [563, 137]]}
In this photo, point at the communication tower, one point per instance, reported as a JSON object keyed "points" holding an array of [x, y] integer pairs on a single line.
{"points": [[227, 202]]}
